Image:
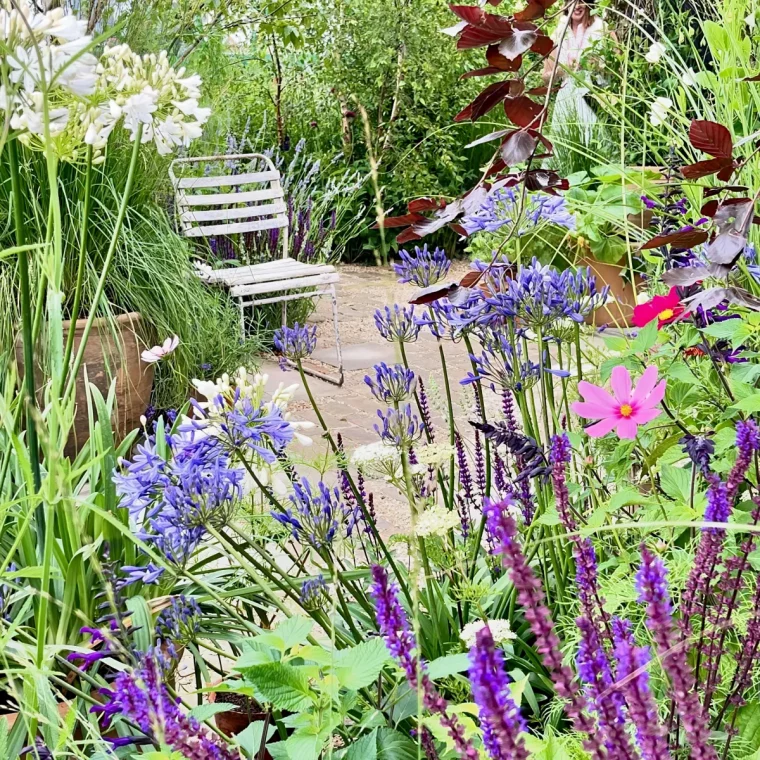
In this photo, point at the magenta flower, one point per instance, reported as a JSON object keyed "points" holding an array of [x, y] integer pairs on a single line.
{"points": [[627, 409]]}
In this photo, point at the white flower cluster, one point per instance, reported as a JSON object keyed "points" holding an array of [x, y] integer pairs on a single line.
{"points": [[436, 521], [228, 391], [501, 631], [49, 77], [378, 460]]}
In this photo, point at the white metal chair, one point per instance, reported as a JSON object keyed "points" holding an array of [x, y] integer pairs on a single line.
{"points": [[254, 202]]}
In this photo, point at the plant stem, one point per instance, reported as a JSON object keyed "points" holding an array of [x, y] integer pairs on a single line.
{"points": [[30, 395], [82, 262], [70, 385]]}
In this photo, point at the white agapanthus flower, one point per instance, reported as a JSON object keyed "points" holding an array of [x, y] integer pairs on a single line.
{"points": [[436, 521], [45, 62], [501, 631], [658, 113], [655, 52]]}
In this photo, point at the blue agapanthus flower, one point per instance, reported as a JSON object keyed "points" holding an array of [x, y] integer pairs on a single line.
{"points": [[399, 427], [398, 324], [423, 267], [171, 500], [503, 366], [502, 207], [391, 384], [315, 515], [297, 342]]}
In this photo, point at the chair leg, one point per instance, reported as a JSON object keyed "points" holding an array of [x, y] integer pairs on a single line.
{"points": [[334, 299], [284, 313], [242, 320]]}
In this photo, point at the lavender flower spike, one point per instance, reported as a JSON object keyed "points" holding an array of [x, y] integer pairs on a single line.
{"points": [[530, 595], [402, 644], [633, 682], [499, 716], [652, 585]]}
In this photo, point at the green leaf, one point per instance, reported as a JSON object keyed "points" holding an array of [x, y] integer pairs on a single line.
{"points": [[646, 338], [449, 665], [748, 724], [359, 666], [627, 496], [283, 686], [676, 482], [304, 746], [294, 630], [142, 623], [723, 330], [364, 749], [393, 745], [749, 403], [208, 710], [250, 737]]}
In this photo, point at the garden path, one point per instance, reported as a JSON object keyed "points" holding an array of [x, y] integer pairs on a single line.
{"points": [[351, 410]]}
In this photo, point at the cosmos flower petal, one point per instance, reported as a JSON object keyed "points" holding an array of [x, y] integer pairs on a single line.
{"points": [[602, 427], [621, 384], [642, 416], [645, 386], [627, 428], [597, 395], [590, 410]]}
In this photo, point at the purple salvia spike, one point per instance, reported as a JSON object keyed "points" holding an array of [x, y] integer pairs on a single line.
{"points": [[508, 406], [425, 408], [531, 597], [559, 457], [499, 716], [652, 585], [402, 644], [480, 466], [594, 670], [633, 682], [499, 473]]}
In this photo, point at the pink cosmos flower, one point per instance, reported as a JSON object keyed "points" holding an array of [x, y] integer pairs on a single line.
{"points": [[157, 353], [624, 411]]}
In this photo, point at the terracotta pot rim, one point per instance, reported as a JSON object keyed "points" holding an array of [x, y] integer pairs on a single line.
{"points": [[127, 317]]}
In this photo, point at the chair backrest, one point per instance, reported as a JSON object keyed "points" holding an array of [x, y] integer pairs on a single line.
{"points": [[248, 202]]}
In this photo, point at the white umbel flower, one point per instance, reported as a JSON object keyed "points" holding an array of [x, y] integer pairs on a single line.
{"points": [[501, 631], [436, 521], [377, 460]]}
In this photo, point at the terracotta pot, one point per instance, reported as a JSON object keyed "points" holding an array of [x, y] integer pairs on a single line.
{"points": [[237, 719], [619, 309], [111, 352]]}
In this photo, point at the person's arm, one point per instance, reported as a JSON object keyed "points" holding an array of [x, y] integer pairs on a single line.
{"points": [[550, 63]]}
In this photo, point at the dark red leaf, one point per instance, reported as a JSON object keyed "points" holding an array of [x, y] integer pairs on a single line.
{"points": [[734, 214], [499, 61], [705, 168], [497, 167], [434, 293], [540, 179], [543, 45], [517, 42], [426, 204], [755, 78], [684, 239], [459, 229], [400, 221], [407, 235], [725, 174], [481, 72], [684, 276], [475, 37], [470, 279], [524, 112], [711, 138], [726, 248], [472, 14], [709, 208], [518, 147], [710, 191], [490, 97], [531, 12]]}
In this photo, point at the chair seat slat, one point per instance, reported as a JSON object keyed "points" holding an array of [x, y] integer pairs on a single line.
{"points": [[297, 283], [238, 275], [221, 199]]}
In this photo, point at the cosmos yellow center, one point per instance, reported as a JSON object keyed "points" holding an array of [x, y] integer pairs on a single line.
{"points": [[626, 410], [666, 314]]}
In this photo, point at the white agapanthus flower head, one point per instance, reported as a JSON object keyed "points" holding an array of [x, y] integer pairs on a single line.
{"points": [[436, 521], [45, 58], [501, 630]]}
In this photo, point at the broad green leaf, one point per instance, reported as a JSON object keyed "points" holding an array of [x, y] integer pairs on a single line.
{"points": [[748, 725], [363, 749], [294, 630], [676, 482], [627, 496], [142, 623], [749, 403], [250, 737], [284, 686], [646, 338], [449, 665], [208, 710], [360, 666], [517, 688], [550, 517], [304, 746], [253, 658], [723, 330], [393, 745]]}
